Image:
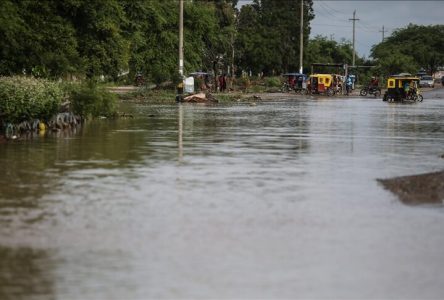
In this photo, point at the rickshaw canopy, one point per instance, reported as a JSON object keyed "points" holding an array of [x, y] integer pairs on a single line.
{"points": [[294, 74], [396, 81], [323, 79]]}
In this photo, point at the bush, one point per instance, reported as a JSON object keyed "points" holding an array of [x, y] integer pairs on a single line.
{"points": [[89, 100], [26, 98], [273, 82]]}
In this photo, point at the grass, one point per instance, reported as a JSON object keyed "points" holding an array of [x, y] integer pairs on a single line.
{"points": [[169, 96]]}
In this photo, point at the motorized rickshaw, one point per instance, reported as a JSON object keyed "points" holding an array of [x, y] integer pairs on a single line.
{"points": [[321, 84], [294, 82], [402, 88]]}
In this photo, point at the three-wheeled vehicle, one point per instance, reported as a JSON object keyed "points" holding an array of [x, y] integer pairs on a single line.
{"points": [[321, 84], [294, 82], [402, 88]]}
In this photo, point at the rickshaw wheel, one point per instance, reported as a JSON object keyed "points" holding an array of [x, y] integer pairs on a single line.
{"points": [[420, 98], [330, 92]]}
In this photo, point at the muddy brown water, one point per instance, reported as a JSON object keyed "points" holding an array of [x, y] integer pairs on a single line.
{"points": [[277, 200]]}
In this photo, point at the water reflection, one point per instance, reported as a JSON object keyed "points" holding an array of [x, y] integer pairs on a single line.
{"points": [[26, 273], [180, 131], [280, 192]]}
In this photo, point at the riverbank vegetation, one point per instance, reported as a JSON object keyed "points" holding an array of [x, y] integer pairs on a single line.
{"points": [[26, 98], [90, 100], [28, 103], [116, 39], [112, 41]]}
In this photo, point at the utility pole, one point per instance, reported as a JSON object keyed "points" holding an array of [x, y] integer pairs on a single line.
{"points": [[383, 31], [301, 38], [181, 37], [354, 20]]}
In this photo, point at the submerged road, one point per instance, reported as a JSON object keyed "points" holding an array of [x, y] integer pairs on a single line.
{"points": [[277, 200]]}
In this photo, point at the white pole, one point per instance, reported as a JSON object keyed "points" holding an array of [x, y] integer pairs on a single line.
{"points": [[181, 37], [301, 38]]}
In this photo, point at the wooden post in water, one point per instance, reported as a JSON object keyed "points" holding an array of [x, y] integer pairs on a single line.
{"points": [[301, 38], [181, 37]]}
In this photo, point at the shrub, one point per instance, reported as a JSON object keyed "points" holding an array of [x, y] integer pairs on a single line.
{"points": [[26, 98], [244, 83], [273, 82], [89, 100]]}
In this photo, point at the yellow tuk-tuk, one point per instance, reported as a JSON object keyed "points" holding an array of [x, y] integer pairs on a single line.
{"points": [[401, 88], [321, 84]]}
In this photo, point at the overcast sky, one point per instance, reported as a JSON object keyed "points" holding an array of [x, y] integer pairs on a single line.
{"points": [[332, 19]]}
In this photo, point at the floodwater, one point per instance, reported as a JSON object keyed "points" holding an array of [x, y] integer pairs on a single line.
{"points": [[277, 200]]}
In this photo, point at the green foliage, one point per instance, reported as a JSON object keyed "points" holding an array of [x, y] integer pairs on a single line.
{"points": [[268, 35], [12, 28], [25, 98], [95, 38], [54, 39], [273, 82], [102, 45], [90, 100], [395, 62], [411, 48], [36, 39], [322, 50], [151, 96]]}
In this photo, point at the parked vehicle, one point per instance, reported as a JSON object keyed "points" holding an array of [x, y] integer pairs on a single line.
{"points": [[321, 84], [402, 88], [427, 81], [294, 82]]}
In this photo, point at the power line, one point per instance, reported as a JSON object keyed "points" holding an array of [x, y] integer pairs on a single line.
{"points": [[330, 25], [331, 8]]}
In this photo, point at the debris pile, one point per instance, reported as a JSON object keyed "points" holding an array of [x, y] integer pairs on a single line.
{"points": [[199, 98]]}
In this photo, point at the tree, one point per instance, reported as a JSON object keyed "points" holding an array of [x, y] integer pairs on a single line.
{"points": [[12, 29], [36, 39], [410, 48], [269, 35], [102, 45]]}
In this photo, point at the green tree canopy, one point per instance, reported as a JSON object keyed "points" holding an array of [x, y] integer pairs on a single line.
{"points": [[268, 35], [411, 48]]}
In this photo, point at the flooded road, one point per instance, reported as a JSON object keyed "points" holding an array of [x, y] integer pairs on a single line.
{"points": [[277, 200]]}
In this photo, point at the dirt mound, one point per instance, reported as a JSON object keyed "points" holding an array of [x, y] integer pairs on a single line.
{"points": [[417, 189]]}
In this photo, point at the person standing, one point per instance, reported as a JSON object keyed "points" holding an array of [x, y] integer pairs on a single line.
{"points": [[220, 79], [222, 83], [207, 82], [348, 85]]}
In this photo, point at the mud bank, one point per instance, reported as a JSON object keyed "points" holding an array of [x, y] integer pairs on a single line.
{"points": [[417, 189]]}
